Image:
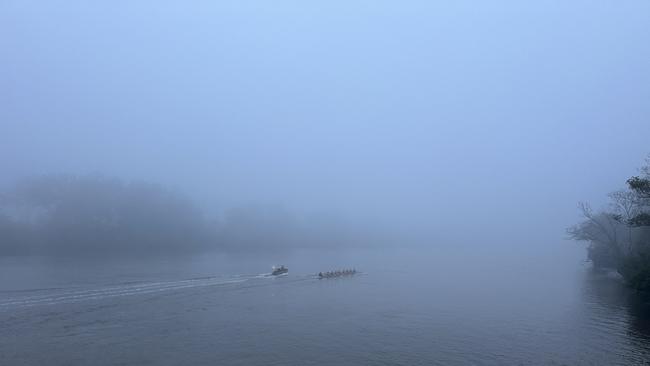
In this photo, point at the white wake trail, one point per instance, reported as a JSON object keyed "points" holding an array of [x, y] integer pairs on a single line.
{"points": [[114, 291]]}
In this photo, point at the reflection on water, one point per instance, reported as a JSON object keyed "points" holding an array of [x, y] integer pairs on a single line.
{"points": [[609, 291], [638, 306], [613, 304]]}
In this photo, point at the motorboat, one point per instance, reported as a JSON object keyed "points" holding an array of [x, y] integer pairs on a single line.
{"points": [[278, 270]]}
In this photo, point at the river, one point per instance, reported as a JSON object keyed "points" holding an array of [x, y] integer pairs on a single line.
{"points": [[436, 306]]}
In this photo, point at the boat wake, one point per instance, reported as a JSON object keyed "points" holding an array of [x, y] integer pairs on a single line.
{"points": [[127, 289]]}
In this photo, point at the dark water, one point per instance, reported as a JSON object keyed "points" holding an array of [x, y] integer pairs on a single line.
{"points": [[409, 307]]}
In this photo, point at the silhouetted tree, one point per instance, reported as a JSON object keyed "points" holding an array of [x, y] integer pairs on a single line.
{"points": [[620, 238]]}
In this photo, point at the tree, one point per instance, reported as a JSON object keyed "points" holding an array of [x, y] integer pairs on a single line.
{"points": [[98, 215], [601, 231], [620, 238]]}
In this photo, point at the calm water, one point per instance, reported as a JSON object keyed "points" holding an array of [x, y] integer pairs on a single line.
{"points": [[434, 307]]}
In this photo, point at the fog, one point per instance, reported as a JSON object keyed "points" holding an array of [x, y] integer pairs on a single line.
{"points": [[158, 157], [456, 121]]}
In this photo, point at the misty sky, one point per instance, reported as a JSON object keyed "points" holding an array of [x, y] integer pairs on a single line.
{"points": [[465, 118]]}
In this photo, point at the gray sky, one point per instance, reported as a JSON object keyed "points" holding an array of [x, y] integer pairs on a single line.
{"points": [[466, 118]]}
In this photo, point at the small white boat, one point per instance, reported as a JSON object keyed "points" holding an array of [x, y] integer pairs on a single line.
{"points": [[278, 270]]}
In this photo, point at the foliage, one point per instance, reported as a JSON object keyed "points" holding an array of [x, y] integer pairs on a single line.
{"points": [[640, 185], [635, 269], [100, 216], [602, 256], [642, 219], [620, 237], [96, 215]]}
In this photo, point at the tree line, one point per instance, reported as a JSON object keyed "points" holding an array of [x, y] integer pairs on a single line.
{"points": [[97, 215], [619, 237]]}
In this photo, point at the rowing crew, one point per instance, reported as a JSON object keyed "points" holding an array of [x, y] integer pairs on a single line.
{"points": [[338, 273]]}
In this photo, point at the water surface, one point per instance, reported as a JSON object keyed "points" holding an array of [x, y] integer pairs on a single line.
{"points": [[409, 307]]}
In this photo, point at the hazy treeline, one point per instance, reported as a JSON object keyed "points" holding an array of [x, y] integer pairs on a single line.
{"points": [[96, 215], [619, 237]]}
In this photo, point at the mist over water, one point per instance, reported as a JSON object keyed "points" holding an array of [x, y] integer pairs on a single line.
{"points": [[157, 158], [436, 306]]}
